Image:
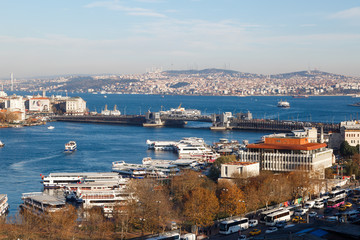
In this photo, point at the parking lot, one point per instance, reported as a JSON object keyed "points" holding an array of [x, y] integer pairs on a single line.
{"points": [[319, 217]]}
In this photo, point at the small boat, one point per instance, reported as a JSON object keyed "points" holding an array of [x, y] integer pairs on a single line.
{"points": [[283, 104], [2, 144], [70, 146], [51, 127]]}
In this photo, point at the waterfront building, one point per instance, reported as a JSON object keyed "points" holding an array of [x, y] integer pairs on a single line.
{"points": [[349, 131], [289, 153], [240, 169], [75, 106], [39, 104]]}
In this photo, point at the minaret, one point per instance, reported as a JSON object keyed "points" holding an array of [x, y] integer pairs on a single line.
{"points": [[12, 81], [322, 134]]}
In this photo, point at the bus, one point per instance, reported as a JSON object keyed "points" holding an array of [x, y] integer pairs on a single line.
{"points": [[335, 202], [235, 225], [280, 216], [265, 213], [166, 236], [292, 208], [338, 193]]}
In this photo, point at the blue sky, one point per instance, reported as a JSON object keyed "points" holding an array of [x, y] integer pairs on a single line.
{"points": [[41, 38]]}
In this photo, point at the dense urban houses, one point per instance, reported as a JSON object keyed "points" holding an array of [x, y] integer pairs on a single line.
{"points": [[289, 153]]}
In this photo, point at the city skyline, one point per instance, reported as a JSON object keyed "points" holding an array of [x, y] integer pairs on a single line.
{"points": [[125, 37]]}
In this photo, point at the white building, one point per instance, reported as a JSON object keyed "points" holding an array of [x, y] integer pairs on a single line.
{"points": [[284, 154], [350, 132], [39, 104], [241, 169], [75, 106]]}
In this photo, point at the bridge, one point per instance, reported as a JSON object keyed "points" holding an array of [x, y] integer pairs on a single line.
{"points": [[223, 121]]}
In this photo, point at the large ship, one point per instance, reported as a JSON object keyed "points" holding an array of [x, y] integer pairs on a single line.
{"points": [[38, 203], [4, 206], [161, 145], [60, 180], [283, 104], [70, 146]]}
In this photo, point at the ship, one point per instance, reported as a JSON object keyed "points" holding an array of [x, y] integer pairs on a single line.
{"points": [[2, 144], [283, 104], [70, 146], [300, 96], [355, 104]]}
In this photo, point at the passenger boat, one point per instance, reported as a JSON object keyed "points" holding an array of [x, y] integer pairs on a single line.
{"points": [[161, 145], [4, 206], [106, 199], [70, 146], [60, 180], [39, 203], [2, 144], [283, 104], [51, 127], [129, 169]]}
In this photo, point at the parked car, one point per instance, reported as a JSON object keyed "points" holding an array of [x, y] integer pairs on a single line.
{"points": [[271, 229], [301, 211], [296, 219], [309, 204], [312, 214], [331, 218], [242, 237], [280, 224], [255, 232], [348, 204], [253, 223], [319, 205]]}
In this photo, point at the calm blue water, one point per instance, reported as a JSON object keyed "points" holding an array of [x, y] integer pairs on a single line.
{"points": [[31, 151]]}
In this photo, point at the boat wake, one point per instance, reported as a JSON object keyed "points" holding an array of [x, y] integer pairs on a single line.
{"points": [[20, 166]]}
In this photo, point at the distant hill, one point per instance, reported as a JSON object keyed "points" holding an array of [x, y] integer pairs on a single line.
{"points": [[308, 74]]}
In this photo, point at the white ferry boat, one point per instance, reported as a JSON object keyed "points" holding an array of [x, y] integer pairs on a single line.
{"points": [[283, 104], [72, 190], [2, 144], [180, 163], [4, 206], [129, 169], [161, 145], [107, 199], [60, 180], [200, 152], [38, 203], [50, 127], [70, 146]]}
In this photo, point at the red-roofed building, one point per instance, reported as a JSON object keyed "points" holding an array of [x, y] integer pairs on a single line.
{"points": [[288, 153]]}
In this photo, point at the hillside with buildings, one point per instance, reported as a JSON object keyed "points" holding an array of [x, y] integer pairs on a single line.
{"points": [[198, 82]]}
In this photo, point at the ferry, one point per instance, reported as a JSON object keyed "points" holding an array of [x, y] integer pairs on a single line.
{"points": [[4, 206], [2, 144], [50, 127], [180, 163], [61, 180], [39, 203], [72, 190], [129, 169], [70, 146], [200, 152], [106, 199], [283, 104], [161, 145]]}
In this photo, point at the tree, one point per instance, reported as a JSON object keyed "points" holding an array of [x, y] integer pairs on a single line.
{"points": [[231, 198], [347, 150], [201, 207]]}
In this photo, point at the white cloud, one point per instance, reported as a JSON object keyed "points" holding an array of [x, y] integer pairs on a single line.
{"points": [[116, 6], [348, 14]]}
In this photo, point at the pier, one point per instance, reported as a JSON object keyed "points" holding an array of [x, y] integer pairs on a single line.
{"points": [[223, 121]]}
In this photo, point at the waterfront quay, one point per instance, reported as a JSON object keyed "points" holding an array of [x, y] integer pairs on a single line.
{"points": [[217, 122]]}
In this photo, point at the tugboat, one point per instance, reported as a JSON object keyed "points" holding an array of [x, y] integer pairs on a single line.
{"points": [[70, 147], [283, 104]]}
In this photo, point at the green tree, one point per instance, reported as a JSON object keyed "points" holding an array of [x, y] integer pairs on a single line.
{"points": [[347, 150]]}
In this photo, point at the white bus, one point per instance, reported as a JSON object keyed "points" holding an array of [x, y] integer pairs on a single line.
{"points": [[235, 225], [280, 216], [341, 193], [265, 213]]}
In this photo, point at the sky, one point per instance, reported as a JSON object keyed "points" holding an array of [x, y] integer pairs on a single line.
{"points": [[56, 37]]}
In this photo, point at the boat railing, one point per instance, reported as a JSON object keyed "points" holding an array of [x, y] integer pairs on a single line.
{"points": [[31, 194]]}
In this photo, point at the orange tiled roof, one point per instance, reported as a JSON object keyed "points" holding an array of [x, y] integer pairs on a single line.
{"points": [[239, 163], [306, 147]]}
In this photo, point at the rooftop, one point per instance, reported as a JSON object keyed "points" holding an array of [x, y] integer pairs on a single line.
{"points": [[305, 147], [241, 163]]}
